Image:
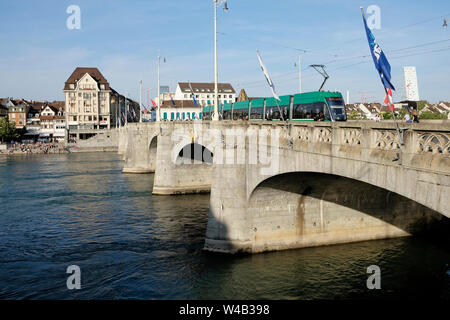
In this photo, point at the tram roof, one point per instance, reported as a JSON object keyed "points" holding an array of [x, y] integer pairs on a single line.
{"points": [[314, 96]]}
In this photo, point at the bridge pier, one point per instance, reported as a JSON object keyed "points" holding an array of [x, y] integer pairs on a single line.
{"points": [[174, 174], [298, 210], [140, 153]]}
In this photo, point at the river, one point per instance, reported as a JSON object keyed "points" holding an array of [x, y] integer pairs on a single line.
{"points": [[79, 209]]}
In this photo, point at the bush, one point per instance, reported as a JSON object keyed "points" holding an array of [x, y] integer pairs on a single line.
{"points": [[428, 115]]}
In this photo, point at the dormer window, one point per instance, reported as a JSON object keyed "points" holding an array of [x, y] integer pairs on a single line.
{"points": [[72, 86], [102, 87]]}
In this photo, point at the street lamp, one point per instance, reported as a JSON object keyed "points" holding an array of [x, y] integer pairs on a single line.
{"points": [[140, 100], [158, 113], [299, 73], [217, 3]]}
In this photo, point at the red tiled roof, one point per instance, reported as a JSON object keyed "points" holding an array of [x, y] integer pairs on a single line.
{"points": [[179, 104], [80, 72]]}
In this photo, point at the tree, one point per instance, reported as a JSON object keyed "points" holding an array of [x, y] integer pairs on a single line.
{"points": [[428, 115], [421, 104], [8, 130], [354, 115]]}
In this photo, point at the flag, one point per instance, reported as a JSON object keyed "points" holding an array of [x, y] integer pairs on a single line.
{"points": [[153, 102], [171, 98], [193, 96], [266, 74], [388, 100], [380, 60]]}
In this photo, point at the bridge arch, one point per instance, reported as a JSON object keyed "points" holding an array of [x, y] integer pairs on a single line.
{"points": [[195, 153], [301, 209]]}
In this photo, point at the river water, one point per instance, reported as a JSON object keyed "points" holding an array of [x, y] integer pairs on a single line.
{"points": [[79, 209]]}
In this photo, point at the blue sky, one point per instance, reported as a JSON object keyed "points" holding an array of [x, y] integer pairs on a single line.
{"points": [[38, 53]]}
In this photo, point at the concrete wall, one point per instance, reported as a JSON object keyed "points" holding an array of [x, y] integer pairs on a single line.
{"points": [[140, 149], [106, 140]]}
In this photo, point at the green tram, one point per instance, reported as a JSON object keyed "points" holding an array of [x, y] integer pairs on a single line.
{"points": [[299, 107]]}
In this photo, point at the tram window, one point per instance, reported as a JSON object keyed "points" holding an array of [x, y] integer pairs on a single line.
{"points": [[273, 113], [299, 111], [309, 111], [326, 112], [227, 115], [256, 113]]}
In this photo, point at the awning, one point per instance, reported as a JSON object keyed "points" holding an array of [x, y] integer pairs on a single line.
{"points": [[44, 135]]}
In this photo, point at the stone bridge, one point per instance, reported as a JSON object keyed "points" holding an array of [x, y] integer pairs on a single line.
{"points": [[277, 186]]}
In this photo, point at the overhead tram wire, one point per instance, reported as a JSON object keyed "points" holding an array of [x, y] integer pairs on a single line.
{"points": [[267, 42], [381, 32], [356, 57], [361, 62], [252, 84]]}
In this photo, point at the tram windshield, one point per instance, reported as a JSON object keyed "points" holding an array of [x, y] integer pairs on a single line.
{"points": [[337, 108]]}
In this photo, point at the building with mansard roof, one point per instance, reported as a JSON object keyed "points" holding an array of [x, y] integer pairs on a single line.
{"points": [[92, 105], [204, 92]]}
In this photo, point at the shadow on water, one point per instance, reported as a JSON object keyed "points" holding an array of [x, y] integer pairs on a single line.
{"points": [[80, 209]]}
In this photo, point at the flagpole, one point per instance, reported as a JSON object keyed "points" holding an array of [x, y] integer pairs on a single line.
{"points": [[126, 111], [158, 116], [140, 101], [300, 73], [400, 136], [215, 116]]}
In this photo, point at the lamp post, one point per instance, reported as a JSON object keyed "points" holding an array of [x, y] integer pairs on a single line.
{"points": [[140, 101], [158, 113], [126, 110], [215, 116], [299, 73]]}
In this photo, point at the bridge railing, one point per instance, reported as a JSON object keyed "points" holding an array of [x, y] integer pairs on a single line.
{"points": [[426, 144]]}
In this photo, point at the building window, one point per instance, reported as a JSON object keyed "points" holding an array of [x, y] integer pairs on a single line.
{"points": [[72, 86], [102, 86]]}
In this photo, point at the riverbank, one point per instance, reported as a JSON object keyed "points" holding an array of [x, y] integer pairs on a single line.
{"points": [[52, 149]]}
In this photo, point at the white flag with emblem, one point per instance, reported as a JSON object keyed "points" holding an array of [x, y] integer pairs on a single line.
{"points": [[266, 74]]}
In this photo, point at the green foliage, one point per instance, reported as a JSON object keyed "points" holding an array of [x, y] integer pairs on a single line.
{"points": [[387, 115], [8, 130], [354, 115], [421, 104], [401, 114], [428, 115]]}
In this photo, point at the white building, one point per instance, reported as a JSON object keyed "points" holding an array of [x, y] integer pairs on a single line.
{"points": [[204, 93], [87, 95], [53, 124], [176, 114], [410, 83], [92, 105]]}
